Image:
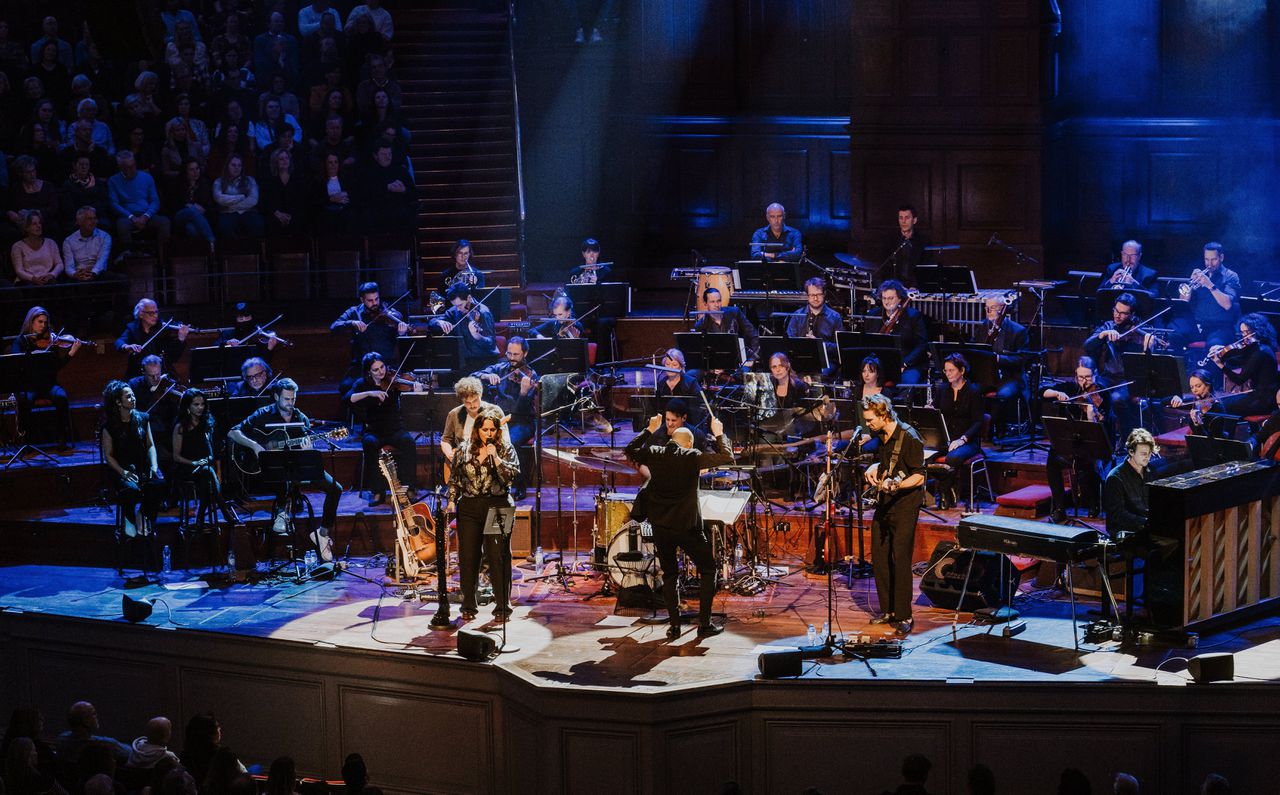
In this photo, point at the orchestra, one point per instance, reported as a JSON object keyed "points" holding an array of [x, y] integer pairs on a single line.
{"points": [[154, 420]]}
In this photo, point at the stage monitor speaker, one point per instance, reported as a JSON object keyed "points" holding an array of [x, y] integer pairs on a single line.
{"points": [[476, 646], [1216, 667], [135, 610], [945, 579], [774, 664]]}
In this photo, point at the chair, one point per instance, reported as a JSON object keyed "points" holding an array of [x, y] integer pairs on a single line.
{"points": [[978, 463]]}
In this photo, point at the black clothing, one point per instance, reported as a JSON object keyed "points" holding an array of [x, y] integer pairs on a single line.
{"points": [[44, 388], [380, 336], [961, 413], [384, 427], [822, 325], [1268, 429], [293, 199], [129, 449], [911, 329], [1124, 497], [255, 427], [162, 409], [1214, 321], [450, 274], [387, 210], [893, 526], [907, 254], [168, 347], [1011, 336], [687, 387], [1146, 277], [732, 321], [1106, 355], [484, 349], [1255, 368], [477, 487], [669, 501], [552, 328]]}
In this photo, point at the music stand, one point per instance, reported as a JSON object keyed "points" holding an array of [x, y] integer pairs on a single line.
{"points": [[808, 355], [220, 363], [613, 298], [984, 365], [947, 279], [867, 339], [708, 351], [931, 426], [1207, 451], [422, 354], [1081, 443], [1154, 375], [290, 469], [766, 277], [851, 363], [558, 394], [17, 372], [563, 355]]}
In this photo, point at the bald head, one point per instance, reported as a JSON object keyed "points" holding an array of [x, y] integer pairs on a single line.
{"points": [[82, 717], [159, 731], [682, 437]]}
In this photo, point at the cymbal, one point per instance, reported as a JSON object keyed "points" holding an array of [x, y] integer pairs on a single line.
{"points": [[854, 262], [608, 453], [588, 462]]}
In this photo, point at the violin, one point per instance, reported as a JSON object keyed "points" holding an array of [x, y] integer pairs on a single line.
{"points": [[569, 330], [1217, 353], [394, 379], [42, 343]]}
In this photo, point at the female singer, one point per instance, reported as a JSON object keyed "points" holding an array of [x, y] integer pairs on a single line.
{"points": [[484, 469], [193, 453], [36, 336], [1254, 368], [961, 407], [130, 452]]}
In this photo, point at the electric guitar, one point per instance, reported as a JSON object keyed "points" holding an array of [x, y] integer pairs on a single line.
{"points": [[415, 527], [246, 459]]}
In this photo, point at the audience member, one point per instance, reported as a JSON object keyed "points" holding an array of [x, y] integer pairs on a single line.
{"points": [[309, 16], [22, 773], [379, 16], [137, 140], [29, 723], [86, 252], [55, 76], [284, 197], [202, 738], [282, 778], [1073, 782], [189, 199], [82, 728], [135, 201], [153, 746], [174, 15], [82, 144], [915, 771], [379, 79], [35, 258], [389, 199], [49, 28], [336, 214], [197, 131], [177, 150], [236, 196], [29, 192], [1124, 784], [275, 50]]}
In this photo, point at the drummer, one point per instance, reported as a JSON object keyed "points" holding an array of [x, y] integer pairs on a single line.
{"points": [[592, 270], [676, 415], [774, 234]]}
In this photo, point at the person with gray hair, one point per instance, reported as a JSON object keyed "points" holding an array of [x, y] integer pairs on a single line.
{"points": [[136, 202], [86, 251], [1129, 272], [137, 335], [776, 242]]}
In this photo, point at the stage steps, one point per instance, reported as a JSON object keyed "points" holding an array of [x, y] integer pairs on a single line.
{"points": [[453, 65]]}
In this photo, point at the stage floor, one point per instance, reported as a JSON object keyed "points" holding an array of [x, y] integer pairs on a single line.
{"points": [[566, 639]]}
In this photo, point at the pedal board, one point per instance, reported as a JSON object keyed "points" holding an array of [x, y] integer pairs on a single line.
{"points": [[871, 646]]}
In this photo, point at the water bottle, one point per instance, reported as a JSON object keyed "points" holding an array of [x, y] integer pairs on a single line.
{"points": [[826, 632], [737, 556], [231, 560], [309, 560], [538, 559], [813, 636], [167, 560]]}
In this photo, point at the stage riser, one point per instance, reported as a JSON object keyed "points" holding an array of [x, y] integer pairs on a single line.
{"points": [[504, 734]]}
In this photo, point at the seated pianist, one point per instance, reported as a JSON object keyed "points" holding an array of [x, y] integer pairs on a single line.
{"points": [[592, 270], [1124, 496], [562, 322], [905, 322]]}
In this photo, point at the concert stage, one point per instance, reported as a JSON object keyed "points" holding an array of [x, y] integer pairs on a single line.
{"points": [[596, 699]]}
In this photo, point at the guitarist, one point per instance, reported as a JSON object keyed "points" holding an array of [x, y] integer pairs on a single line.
{"points": [[254, 432]]}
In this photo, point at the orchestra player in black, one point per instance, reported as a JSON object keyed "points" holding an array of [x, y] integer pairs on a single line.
{"points": [[254, 431], [255, 374], [155, 396], [721, 319], [471, 320], [1129, 272], [512, 385], [894, 316], [960, 404], [373, 328], [561, 323], [908, 247], [1124, 493], [130, 452], [146, 335], [36, 336], [376, 401], [1078, 400], [1106, 346], [246, 331], [678, 383], [1006, 336], [193, 453], [460, 268], [1252, 365]]}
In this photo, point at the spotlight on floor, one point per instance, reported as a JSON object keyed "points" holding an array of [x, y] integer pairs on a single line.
{"points": [[1217, 667], [476, 646], [135, 610]]}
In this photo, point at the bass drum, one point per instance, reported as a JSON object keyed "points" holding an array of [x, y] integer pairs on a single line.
{"points": [[632, 560], [613, 512], [718, 277]]}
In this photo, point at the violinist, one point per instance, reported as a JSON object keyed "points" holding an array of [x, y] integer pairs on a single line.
{"points": [[376, 400], [906, 323], [1106, 346], [562, 323], [193, 455], [1250, 363], [36, 336], [373, 329], [129, 451], [1006, 337], [471, 320], [1080, 400], [1200, 401], [139, 338], [510, 385], [246, 332], [728, 320], [153, 394], [255, 374], [460, 268]]}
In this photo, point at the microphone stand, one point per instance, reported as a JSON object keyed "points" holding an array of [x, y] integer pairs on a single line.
{"points": [[1022, 256]]}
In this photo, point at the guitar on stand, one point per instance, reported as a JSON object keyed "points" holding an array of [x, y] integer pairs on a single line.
{"points": [[246, 460], [415, 527]]}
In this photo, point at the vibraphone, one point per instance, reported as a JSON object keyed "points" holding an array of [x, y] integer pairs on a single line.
{"points": [[962, 308]]}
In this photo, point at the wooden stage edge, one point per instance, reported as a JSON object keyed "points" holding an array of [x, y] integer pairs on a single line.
{"points": [[596, 700]]}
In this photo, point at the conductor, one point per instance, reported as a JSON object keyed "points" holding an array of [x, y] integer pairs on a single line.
{"points": [[670, 502]]}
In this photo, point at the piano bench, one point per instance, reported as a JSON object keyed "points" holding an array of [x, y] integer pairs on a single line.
{"points": [[1028, 502], [1174, 438]]}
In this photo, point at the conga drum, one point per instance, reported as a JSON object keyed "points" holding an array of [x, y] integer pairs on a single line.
{"points": [[716, 276]]}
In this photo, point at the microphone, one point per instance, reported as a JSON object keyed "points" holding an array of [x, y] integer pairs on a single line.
{"points": [[698, 256], [992, 241]]}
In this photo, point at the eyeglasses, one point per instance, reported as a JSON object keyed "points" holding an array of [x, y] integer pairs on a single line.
{"points": [[150, 312]]}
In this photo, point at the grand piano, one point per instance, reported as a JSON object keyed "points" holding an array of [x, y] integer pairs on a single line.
{"points": [[1213, 535]]}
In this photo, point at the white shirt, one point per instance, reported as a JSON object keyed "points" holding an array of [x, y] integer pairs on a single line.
{"points": [[93, 252]]}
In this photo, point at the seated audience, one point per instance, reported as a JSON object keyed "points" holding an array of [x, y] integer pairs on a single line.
{"points": [[236, 196], [86, 252]]}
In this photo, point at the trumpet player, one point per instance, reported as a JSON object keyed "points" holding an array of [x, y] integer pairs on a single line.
{"points": [[1129, 272], [1214, 294]]}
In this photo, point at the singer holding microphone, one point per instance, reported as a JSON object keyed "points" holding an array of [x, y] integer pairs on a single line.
{"points": [[484, 468]]}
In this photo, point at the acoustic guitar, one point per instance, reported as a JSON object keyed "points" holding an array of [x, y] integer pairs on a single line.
{"points": [[415, 527], [246, 459]]}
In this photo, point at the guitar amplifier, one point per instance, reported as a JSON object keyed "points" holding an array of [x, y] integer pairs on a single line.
{"points": [[521, 533]]}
